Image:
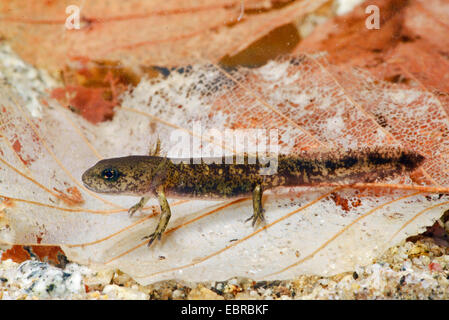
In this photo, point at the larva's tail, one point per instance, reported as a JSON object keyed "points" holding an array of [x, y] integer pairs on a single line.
{"points": [[363, 165]]}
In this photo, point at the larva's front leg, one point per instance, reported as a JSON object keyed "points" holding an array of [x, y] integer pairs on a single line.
{"points": [[163, 220], [258, 211], [138, 206]]}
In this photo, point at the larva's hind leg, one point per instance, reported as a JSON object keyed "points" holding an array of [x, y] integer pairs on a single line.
{"points": [[258, 211]]}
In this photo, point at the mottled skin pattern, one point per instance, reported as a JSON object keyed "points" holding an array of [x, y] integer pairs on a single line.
{"points": [[148, 176]]}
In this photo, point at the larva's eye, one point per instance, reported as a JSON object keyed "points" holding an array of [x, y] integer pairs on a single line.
{"points": [[110, 174]]}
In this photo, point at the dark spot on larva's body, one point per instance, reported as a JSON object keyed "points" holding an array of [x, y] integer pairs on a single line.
{"points": [[378, 159], [330, 164], [349, 162], [309, 166], [411, 160]]}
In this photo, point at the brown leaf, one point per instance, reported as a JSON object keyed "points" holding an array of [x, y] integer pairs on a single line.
{"points": [[168, 33], [410, 48]]}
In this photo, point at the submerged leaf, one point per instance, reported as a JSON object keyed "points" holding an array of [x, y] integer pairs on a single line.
{"points": [[314, 106]]}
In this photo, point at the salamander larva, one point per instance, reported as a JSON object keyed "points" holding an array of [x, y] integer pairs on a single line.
{"points": [[214, 178]]}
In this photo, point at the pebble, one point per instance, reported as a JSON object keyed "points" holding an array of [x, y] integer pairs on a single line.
{"points": [[116, 292], [202, 293]]}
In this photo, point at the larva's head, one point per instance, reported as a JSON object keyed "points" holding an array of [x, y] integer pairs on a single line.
{"points": [[126, 175]]}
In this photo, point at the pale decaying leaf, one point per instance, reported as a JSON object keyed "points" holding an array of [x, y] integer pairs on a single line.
{"points": [[315, 106]]}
